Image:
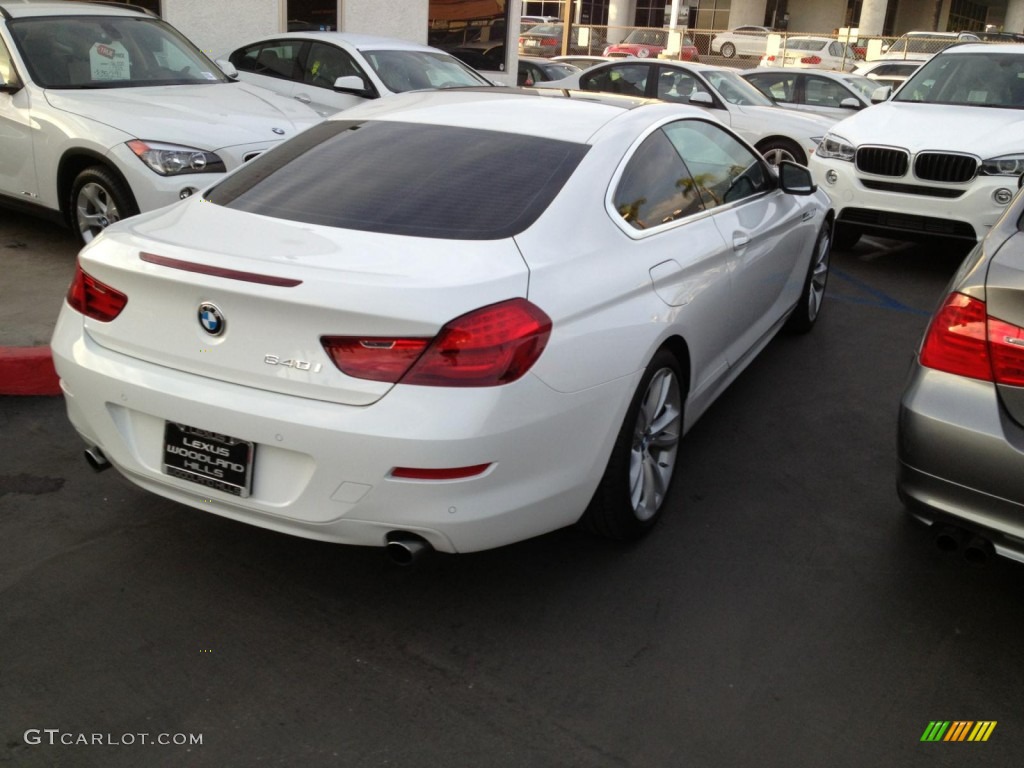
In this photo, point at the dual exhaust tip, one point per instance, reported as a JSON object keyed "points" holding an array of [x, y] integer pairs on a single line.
{"points": [[976, 549], [402, 548]]}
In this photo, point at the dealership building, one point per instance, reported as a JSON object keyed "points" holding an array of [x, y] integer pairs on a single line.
{"points": [[219, 26]]}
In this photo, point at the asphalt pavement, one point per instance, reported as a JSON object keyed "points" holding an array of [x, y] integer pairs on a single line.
{"points": [[785, 612]]}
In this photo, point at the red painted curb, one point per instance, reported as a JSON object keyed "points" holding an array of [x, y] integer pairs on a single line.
{"points": [[27, 371]]}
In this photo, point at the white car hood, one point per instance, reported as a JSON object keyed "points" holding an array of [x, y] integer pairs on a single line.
{"points": [[203, 116], [986, 131]]}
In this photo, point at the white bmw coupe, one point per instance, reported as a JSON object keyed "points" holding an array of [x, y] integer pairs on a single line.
{"points": [[448, 320]]}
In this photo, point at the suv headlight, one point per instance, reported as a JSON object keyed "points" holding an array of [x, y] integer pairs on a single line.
{"points": [[835, 147], [172, 159], [1007, 165]]}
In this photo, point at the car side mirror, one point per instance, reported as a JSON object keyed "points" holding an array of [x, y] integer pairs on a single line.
{"points": [[850, 103], [227, 68], [353, 84], [795, 179], [881, 94], [702, 99]]}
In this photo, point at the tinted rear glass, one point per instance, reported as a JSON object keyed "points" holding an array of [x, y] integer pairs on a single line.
{"points": [[406, 179]]}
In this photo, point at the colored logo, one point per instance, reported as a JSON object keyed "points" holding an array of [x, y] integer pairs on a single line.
{"points": [[211, 319], [958, 730]]}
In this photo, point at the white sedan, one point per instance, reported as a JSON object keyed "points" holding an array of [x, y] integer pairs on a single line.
{"points": [[812, 53], [415, 350], [779, 134], [332, 71]]}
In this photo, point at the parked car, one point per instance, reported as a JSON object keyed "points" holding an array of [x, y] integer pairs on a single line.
{"points": [[583, 61], [525, 22], [939, 159], [542, 40], [387, 354], [531, 69], [886, 72], [921, 46], [331, 71], [643, 43], [106, 111], [779, 134], [833, 95], [535, 69], [961, 424], [741, 41], [812, 53]]}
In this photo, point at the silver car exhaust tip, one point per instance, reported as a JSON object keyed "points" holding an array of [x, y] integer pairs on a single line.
{"points": [[406, 549], [96, 459]]}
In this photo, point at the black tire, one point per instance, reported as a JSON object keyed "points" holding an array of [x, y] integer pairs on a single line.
{"points": [[631, 495], [728, 50], [99, 197], [812, 295], [778, 148], [844, 237]]}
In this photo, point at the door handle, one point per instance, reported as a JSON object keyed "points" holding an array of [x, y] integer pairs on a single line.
{"points": [[303, 99], [740, 241]]}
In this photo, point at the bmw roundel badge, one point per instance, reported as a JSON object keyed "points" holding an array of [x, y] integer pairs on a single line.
{"points": [[211, 319]]}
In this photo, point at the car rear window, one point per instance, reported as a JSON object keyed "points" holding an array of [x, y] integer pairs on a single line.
{"points": [[406, 179]]}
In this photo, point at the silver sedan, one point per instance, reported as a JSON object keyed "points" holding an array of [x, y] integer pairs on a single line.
{"points": [[961, 426]]}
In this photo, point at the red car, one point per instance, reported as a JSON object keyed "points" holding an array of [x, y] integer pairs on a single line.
{"points": [[648, 43]]}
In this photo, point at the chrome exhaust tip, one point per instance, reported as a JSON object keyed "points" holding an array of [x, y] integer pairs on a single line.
{"points": [[406, 549], [96, 459]]}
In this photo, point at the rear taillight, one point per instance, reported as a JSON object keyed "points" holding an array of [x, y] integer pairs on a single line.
{"points": [[962, 339], [487, 347], [811, 60], [93, 298], [1006, 346], [768, 58], [549, 41]]}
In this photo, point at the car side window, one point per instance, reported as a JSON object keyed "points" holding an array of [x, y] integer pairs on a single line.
{"points": [[678, 86], [822, 92], [781, 87], [629, 79], [277, 58], [326, 63], [656, 187], [7, 73], [724, 170]]}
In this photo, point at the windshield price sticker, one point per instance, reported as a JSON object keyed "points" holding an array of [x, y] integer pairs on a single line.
{"points": [[109, 61]]}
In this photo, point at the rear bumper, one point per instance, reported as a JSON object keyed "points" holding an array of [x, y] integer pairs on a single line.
{"points": [[322, 470], [961, 458]]}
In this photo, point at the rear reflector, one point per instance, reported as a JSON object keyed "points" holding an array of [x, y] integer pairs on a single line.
{"points": [[447, 473], [487, 347], [93, 298], [811, 60]]}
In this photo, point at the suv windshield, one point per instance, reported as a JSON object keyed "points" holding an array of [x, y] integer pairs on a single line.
{"points": [[969, 79], [109, 52]]}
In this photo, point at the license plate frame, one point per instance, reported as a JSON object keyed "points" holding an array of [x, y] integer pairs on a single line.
{"points": [[210, 459]]}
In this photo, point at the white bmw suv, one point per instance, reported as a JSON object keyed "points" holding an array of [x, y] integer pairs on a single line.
{"points": [[940, 159], [106, 111]]}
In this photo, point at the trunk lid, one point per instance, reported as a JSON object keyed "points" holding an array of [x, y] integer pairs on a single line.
{"points": [[346, 283]]}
